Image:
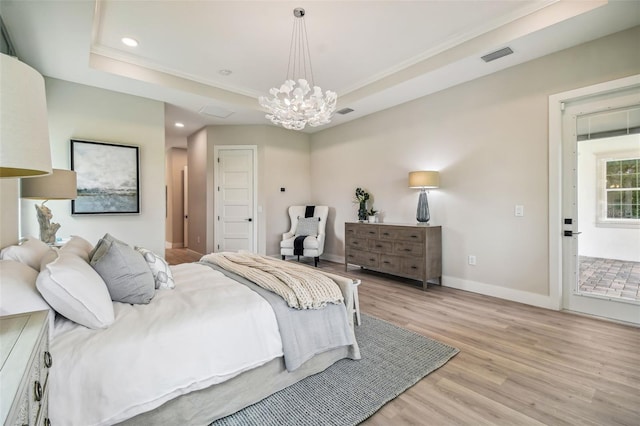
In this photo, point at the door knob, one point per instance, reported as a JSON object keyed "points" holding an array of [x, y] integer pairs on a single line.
{"points": [[249, 220], [571, 233]]}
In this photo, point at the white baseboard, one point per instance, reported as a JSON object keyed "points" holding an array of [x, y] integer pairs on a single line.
{"points": [[540, 300], [533, 299]]}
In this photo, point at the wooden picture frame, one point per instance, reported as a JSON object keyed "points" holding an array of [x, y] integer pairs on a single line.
{"points": [[108, 178]]}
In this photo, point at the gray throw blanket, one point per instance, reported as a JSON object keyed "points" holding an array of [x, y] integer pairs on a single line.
{"points": [[304, 333]]}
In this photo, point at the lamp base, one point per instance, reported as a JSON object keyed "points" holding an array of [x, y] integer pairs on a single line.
{"points": [[422, 214], [47, 228]]}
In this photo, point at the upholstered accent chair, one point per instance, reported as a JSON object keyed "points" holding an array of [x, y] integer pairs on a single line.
{"points": [[310, 239]]}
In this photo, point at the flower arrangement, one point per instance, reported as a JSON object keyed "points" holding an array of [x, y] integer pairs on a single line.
{"points": [[361, 195]]}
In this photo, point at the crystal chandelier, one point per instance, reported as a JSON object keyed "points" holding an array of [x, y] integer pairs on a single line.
{"points": [[295, 104]]}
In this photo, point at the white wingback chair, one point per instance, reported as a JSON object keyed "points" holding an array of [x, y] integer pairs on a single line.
{"points": [[311, 245]]}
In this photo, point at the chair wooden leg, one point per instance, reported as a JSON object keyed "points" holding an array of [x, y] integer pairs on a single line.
{"points": [[316, 260], [283, 257], [298, 258]]}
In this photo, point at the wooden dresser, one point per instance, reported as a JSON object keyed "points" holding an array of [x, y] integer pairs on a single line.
{"points": [[25, 362], [410, 251]]}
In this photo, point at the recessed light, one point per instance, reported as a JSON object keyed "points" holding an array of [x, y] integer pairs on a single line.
{"points": [[131, 42], [179, 124], [225, 72]]}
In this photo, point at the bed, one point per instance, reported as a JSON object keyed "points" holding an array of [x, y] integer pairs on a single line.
{"points": [[208, 344]]}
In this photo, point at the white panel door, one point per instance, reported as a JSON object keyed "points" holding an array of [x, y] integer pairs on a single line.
{"points": [[235, 200]]}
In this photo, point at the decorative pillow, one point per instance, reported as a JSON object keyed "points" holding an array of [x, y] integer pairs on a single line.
{"points": [[30, 252], [75, 290], [78, 246], [307, 226], [159, 268], [124, 271]]}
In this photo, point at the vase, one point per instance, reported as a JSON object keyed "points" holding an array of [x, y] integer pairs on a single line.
{"points": [[372, 219], [362, 211]]}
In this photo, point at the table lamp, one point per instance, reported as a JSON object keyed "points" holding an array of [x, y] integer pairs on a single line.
{"points": [[24, 131], [423, 180], [60, 185]]}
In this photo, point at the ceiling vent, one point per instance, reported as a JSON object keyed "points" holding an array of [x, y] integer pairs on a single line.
{"points": [[344, 111], [497, 54], [215, 111]]}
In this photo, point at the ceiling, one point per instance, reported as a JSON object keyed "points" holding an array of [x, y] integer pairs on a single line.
{"points": [[374, 54]]}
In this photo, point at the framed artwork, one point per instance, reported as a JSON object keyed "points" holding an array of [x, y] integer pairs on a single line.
{"points": [[108, 178]]}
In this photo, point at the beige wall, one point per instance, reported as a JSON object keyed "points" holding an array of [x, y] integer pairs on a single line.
{"points": [[198, 202], [8, 212], [488, 138], [88, 113], [283, 161], [176, 160]]}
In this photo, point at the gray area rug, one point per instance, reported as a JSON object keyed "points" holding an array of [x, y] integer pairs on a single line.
{"points": [[348, 392]]}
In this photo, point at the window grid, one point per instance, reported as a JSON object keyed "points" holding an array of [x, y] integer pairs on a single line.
{"points": [[622, 189]]}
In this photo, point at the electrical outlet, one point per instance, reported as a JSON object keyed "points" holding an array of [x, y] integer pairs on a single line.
{"points": [[519, 210], [472, 260], [198, 239]]}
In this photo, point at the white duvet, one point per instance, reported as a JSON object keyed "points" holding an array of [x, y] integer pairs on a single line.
{"points": [[205, 331]]}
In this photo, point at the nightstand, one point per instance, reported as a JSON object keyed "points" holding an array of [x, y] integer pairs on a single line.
{"points": [[25, 361]]}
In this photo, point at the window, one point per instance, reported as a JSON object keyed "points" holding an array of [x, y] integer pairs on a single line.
{"points": [[622, 190]]}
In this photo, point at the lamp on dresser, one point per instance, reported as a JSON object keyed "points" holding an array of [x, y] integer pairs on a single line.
{"points": [[60, 185], [423, 180]]}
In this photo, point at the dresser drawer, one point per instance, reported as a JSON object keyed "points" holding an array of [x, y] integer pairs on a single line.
{"points": [[402, 234], [363, 258], [408, 249], [412, 268], [379, 246], [367, 231], [357, 243], [390, 264]]}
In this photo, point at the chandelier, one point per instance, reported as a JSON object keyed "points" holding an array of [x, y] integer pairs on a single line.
{"points": [[295, 104]]}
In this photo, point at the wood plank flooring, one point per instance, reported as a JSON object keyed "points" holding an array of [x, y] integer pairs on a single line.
{"points": [[518, 364]]}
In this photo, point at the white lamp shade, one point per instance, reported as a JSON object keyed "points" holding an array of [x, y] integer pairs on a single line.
{"points": [[24, 131], [424, 179], [61, 185]]}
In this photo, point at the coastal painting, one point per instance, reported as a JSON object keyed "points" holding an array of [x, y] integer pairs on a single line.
{"points": [[108, 178]]}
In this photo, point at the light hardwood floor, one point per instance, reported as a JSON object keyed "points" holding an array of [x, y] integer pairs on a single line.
{"points": [[518, 364]]}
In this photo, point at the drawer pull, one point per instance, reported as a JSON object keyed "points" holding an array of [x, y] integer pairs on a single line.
{"points": [[48, 359], [386, 234], [414, 267], [378, 246], [37, 390], [372, 260], [355, 243], [386, 261], [407, 250], [414, 236], [371, 232]]}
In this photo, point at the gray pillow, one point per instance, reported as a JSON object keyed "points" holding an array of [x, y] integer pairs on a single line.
{"points": [[307, 226], [124, 271]]}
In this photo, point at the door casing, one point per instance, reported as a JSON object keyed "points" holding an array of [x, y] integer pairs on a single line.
{"points": [[556, 105]]}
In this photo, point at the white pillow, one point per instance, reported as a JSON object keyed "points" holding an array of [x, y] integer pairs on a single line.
{"points": [[18, 292], [160, 269], [78, 246], [30, 252], [71, 286]]}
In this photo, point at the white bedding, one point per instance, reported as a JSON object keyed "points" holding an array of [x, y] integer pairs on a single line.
{"points": [[208, 329]]}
